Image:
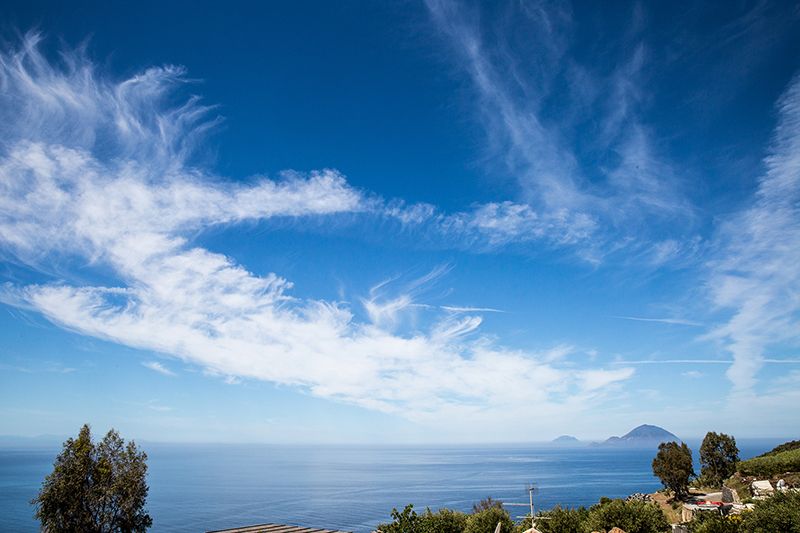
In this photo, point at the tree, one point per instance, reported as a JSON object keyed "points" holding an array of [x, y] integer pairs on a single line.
{"points": [[632, 517], [486, 521], [486, 503], [558, 520], [443, 521], [408, 521], [673, 466], [95, 488], [718, 457]]}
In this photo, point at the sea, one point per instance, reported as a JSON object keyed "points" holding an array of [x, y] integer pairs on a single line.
{"points": [[203, 487]]}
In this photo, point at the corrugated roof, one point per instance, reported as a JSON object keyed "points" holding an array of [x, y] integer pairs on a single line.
{"points": [[276, 528]]}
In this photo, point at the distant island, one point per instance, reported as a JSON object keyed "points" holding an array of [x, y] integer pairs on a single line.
{"points": [[566, 440], [645, 435]]}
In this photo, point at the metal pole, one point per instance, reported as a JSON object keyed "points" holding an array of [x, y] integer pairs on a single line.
{"points": [[530, 495]]}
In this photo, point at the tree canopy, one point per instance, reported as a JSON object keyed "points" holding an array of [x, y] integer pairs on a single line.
{"points": [[673, 466], [95, 488], [718, 457]]}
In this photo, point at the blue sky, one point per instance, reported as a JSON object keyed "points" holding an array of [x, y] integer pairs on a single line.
{"points": [[414, 222]]}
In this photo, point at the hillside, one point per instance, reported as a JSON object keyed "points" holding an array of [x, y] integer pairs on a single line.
{"points": [[784, 458]]}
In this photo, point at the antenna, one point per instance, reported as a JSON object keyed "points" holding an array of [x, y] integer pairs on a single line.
{"points": [[531, 490]]}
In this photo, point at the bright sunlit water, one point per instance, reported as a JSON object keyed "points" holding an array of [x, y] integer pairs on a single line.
{"points": [[204, 487]]}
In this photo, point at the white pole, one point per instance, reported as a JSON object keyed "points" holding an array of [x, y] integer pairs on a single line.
{"points": [[530, 495]]}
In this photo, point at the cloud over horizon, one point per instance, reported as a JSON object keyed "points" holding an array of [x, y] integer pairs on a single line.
{"points": [[99, 170]]}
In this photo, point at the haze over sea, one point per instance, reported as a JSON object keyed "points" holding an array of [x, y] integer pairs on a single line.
{"points": [[199, 487]]}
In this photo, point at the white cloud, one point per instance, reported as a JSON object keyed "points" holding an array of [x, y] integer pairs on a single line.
{"points": [[754, 274], [561, 201], [155, 366], [101, 173], [677, 321]]}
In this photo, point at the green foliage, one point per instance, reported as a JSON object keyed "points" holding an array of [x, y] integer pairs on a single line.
{"points": [[408, 521], [713, 522], [771, 464], [673, 466], [443, 521], [780, 512], [785, 447], [95, 487], [486, 521], [560, 520], [486, 503], [632, 517], [718, 457]]}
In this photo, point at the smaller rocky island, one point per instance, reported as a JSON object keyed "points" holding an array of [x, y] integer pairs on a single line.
{"points": [[642, 436], [567, 440]]}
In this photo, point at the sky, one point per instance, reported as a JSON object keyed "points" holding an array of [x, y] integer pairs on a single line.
{"points": [[410, 222]]}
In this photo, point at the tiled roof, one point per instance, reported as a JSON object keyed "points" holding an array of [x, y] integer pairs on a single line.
{"points": [[275, 528]]}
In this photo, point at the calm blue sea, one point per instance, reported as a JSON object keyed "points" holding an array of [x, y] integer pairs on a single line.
{"points": [[204, 487]]}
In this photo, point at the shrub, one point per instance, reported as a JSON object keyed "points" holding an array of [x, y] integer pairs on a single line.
{"points": [[408, 521], [560, 520], [442, 521], [632, 517], [486, 521], [780, 512], [712, 522]]}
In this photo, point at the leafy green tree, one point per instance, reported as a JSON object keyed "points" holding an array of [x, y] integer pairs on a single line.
{"points": [[780, 512], [408, 521], [405, 521], [558, 520], [718, 457], [95, 488], [486, 521], [486, 503], [673, 466], [632, 517], [442, 521]]}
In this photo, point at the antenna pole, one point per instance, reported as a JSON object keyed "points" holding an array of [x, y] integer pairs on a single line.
{"points": [[530, 495]]}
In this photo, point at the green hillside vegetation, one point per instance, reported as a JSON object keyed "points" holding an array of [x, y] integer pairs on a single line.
{"points": [[784, 458], [785, 447]]}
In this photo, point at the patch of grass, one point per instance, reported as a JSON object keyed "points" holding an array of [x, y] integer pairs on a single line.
{"points": [[771, 464]]}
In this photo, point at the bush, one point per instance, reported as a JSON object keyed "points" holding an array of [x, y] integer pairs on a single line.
{"points": [[712, 522], [632, 517], [443, 521], [408, 521], [771, 464], [780, 512], [560, 520], [486, 521]]}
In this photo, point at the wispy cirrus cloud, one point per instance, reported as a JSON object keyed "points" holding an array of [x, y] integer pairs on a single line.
{"points": [[589, 200], [155, 366], [753, 273], [99, 170], [667, 320]]}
